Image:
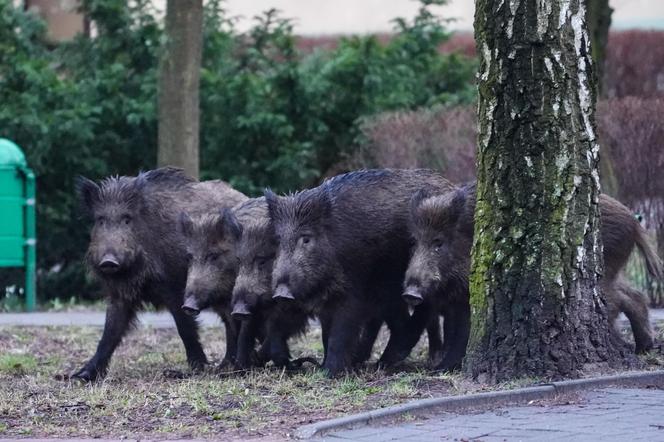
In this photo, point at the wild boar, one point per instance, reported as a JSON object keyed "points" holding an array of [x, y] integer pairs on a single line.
{"points": [[211, 241], [252, 295], [343, 251], [438, 272], [138, 255]]}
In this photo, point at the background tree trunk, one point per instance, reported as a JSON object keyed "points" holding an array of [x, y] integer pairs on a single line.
{"points": [[599, 21], [537, 256], [179, 78]]}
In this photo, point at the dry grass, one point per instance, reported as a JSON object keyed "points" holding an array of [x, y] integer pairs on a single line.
{"points": [[136, 400]]}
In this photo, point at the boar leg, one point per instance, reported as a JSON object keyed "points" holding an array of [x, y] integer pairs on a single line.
{"points": [[344, 328], [435, 341], [119, 318], [402, 341], [188, 331], [633, 304], [245, 343], [277, 342], [325, 323], [231, 325], [367, 339], [456, 331]]}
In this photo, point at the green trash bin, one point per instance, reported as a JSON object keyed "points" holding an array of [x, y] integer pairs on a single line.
{"points": [[17, 216]]}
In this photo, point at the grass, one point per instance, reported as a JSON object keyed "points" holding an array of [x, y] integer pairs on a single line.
{"points": [[13, 301], [137, 400]]}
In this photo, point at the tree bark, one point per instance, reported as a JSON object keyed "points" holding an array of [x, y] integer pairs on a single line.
{"points": [[537, 253], [179, 79]]}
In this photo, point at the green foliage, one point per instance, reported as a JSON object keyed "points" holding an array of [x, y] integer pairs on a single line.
{"points": [[270, 116], [273, 118], [86, 107]]}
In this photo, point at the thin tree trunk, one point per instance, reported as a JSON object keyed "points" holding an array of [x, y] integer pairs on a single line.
{"points": [[537, 256], [179, 79]]}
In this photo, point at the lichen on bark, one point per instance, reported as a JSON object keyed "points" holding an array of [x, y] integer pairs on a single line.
{"points": [[537, 254]]}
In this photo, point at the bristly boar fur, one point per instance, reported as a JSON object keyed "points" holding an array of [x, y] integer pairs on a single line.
{"points": [[252, 294], [439, 268], [137, 253], [210, 243], [343, 250]]}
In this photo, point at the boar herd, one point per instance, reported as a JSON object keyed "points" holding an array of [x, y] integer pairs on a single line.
{"points": [[362, 250]]}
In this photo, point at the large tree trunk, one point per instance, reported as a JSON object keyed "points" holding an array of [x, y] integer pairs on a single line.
{"points": [[537, 256], [179, 78]]}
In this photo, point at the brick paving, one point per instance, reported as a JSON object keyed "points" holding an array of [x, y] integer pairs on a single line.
{"points": [[611, 414]]}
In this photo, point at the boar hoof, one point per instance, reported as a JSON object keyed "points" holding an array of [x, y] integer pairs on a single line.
{"points": [[170, 373], [644, 346], [448, 367], [226, 365], [197, 365], [87, 374], [258, 359], [296, 364]]}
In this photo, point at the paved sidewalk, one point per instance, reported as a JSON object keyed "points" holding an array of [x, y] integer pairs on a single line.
{"points": [[155, 319], [150, 319], [611, 414]]}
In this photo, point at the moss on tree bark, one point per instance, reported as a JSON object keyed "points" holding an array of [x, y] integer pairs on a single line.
{"points": [[537, 253]]}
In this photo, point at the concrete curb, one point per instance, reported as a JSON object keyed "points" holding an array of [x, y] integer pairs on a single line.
{"points": [[479, 400]]}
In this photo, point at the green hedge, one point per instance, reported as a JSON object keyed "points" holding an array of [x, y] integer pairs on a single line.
{"points": [[270, 116]]}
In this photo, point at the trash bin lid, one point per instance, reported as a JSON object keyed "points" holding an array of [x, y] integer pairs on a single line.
{"points": [[11, 154]]}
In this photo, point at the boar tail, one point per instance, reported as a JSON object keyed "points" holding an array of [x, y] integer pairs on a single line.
{"points": [[653, 262]]}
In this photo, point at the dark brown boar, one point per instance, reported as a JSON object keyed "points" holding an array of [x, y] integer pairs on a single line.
{"points": [[138, 255], [211, 252], [621, 232], [252, 295], [439, 268], [343, 251], [436, 281]]}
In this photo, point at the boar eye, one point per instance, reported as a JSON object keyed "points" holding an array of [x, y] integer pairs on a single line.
{"points": [[262, 260], [305, 239], [126, 219], [437, 244], [101, 220], [213, 256]]}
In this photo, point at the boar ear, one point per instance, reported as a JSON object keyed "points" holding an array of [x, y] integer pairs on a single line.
{"points": [[228, 223], [137, 193], [417, 199], [185, 225], [324, 205], [272, 200], [459, 200], [88, 193], [455, 204]]}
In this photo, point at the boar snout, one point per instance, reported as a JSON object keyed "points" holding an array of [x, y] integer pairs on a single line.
{"points": [[241, 311], [109, 264], [283, 292], [190, 306], [413, 296]]}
